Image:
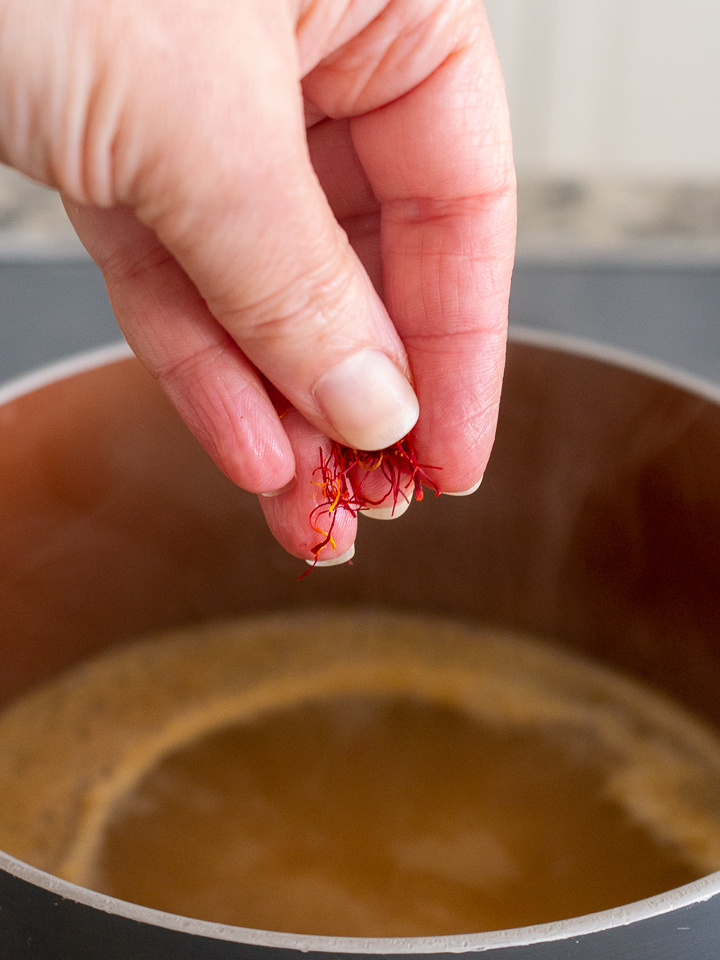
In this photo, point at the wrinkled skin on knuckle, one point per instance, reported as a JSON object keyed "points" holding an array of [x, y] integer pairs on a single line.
{"points": [[305, 309], [388, 53]]}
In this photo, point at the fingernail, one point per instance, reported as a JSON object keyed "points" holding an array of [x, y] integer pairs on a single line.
{"points": [[367, 400], [387, 513], [334, 561], [285, 489], [463, 493]]}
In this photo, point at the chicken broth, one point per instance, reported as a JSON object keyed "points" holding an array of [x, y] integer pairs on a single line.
{"points": [[359, 774]]}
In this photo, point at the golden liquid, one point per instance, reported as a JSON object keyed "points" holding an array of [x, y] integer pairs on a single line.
{"points": [[365, 817], [359, 775]]}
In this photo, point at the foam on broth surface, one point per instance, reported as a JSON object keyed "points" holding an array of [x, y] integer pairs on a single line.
{"points": [[361, 774]]}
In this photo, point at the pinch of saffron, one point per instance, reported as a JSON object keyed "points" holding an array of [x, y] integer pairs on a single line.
{"points": [[399, 467]]}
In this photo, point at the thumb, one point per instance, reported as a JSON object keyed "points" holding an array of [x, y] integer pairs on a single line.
{"points": [[306, 314], [258, 238]]}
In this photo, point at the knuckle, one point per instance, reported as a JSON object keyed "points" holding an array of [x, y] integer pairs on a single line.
{"points": [[309, 302], [127, 264], [190, 367]]}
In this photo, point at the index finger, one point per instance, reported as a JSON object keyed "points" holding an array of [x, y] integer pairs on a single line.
{"points": [[439, 161]]}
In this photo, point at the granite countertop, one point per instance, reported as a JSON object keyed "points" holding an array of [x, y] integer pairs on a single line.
{"points": [[563, 220], [636, 266], [33, 223], [660, 222]]}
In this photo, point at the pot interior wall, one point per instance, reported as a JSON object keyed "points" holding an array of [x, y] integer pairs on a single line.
{"points": [[597, 525]]}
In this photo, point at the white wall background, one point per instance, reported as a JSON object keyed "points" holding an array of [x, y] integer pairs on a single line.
{"points": [[612, 89]]}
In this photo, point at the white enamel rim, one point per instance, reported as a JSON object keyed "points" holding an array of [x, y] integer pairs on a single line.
{"points": [[697, 892]]}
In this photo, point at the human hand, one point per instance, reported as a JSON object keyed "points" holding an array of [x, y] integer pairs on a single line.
{"points": [[215, 158]]}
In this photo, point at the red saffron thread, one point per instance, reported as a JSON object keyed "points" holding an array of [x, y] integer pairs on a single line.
{"points": [[398, 465]]}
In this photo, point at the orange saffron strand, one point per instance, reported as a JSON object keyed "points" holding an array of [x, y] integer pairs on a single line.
{"points": [[399, 466], [333, 477]]}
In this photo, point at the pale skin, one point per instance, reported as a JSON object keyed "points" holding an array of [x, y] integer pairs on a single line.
{"points": [[318, 192]]}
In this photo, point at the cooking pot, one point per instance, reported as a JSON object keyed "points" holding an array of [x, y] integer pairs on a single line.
{"points": [[597, 526]]}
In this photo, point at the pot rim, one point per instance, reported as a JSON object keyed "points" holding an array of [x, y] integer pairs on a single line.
{"points": [[113, 352], [697, 892]]}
